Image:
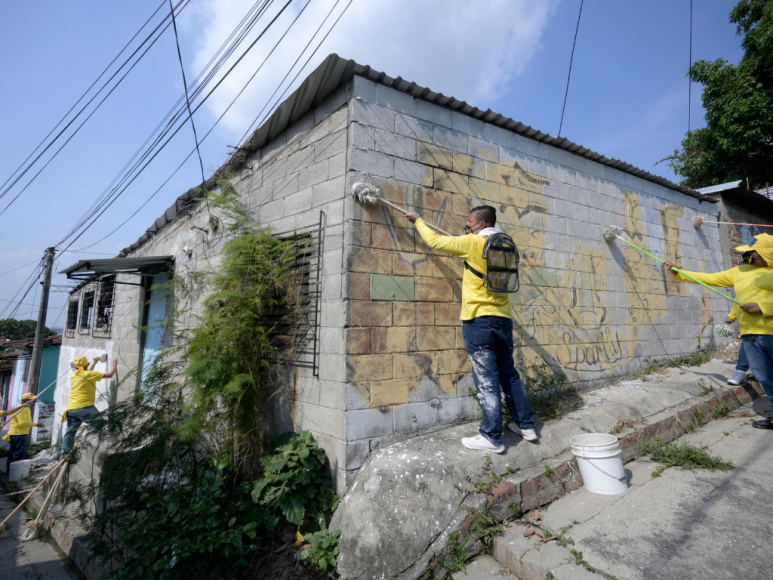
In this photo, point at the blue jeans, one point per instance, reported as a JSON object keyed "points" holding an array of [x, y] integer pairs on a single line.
{"points": [[17, 451], [759, 351], [743, 362], [74, 420], [489, 342]]}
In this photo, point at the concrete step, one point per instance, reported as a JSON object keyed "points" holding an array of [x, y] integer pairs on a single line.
{"points": [[483, 568]]}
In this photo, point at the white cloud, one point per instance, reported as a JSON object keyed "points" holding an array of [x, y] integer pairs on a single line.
{"points": [[469, 50]]}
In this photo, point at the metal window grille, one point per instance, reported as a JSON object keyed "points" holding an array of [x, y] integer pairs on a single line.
{"points": [[296, 330], [72, 318], [87, 311], [103, 321]]}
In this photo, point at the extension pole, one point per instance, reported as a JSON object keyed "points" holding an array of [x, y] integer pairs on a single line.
{"points": [[40, 330], [685, 274]]}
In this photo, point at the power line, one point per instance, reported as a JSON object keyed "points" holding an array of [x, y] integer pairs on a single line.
{"points": [[185, 86], [119, 184], [689, 79], [571, 60], [34, 177], [209, 94], [20, 267]]}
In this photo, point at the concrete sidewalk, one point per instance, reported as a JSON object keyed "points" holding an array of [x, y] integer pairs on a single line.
{"points": [[686, 525], [35, 560]]}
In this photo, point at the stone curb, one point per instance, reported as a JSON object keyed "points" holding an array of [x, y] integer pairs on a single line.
{"points": [[533, 488]]}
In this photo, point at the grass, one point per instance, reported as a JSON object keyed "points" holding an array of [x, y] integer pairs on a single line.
{"points": [[685, 455], [486, 528], [455, 560], [549, 471], [721, 410], [622, 423], [547, 392], [693, 359]]}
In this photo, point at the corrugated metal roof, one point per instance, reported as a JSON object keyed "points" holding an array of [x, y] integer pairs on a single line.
{"points": [[116, 265], [720, 188], [333, 72]]}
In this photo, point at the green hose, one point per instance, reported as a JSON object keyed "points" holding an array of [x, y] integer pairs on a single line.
{"points": [[685, 274]]}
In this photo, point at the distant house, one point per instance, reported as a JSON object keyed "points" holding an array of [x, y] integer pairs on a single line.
{"points": [[739, 205], [14, 374]]}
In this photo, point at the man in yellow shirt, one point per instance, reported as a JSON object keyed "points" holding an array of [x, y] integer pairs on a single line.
{"points": [[487, 329], [753, 283], [21, 423], [83, 395]]}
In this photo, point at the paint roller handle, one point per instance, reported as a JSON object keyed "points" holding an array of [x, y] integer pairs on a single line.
{"points": [[403, 210], [685, 274]]}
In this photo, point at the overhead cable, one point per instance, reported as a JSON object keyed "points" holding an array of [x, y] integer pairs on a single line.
{"points": [[571, 60]]}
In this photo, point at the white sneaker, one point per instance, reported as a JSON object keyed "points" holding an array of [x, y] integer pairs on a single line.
{"points": [[737, 378], [528, 434], [481, 443]]}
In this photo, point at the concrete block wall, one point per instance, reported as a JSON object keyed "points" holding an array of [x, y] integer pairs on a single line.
{"points": [[592, 310]]}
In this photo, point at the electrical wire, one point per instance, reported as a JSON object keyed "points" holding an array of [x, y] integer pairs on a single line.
{"points": [[301, 69], [119, 182], [209, 94], [86, 92], [689, 79], [20, 267], [75, 132], [185, 86], [571, 60]]}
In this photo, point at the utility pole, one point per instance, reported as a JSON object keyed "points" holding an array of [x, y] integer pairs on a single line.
{"points": [[37, 346]]}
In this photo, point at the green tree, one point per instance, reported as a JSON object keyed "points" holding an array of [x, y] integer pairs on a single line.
{"points": [[20, 329], [737, 142]]}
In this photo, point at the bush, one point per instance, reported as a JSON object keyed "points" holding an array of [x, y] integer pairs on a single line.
{"points": [[200, 529], [295, 486], [323, 550], [547, 391]]}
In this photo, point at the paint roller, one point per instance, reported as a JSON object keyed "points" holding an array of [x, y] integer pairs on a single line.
{"points": [[370, 194], [614, 232], [698, 221]]}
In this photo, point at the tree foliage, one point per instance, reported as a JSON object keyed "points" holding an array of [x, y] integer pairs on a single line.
{"points": [[737, 142], [20, 329]]}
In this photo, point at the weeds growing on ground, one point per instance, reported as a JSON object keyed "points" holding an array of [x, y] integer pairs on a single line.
{"points": [[486, 528], [323, 550], [693, 359], [456, 554], [685, 455], [721, 410], [547, 392]]}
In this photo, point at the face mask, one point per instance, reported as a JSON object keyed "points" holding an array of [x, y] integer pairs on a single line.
{"points": [[467, 230], [747, 258]]}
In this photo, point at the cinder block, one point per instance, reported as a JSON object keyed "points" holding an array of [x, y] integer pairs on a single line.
{"points": [[312, 175], [392, 288], [395, 100], [411, 172], [369, 314], [371, 162], [447, 314], [414, 128], [357, 341], [406, 264], [395, 145], [368, 367], [414, 365], [434, 155], [329, 146], [369, 423], [434, 290], [469, 165], [449, 181], [413, 314], [451, 139], [392, 238], [483, 149], [395, 339], [297, 202], [433, 113], [328, 191], [370, 260], [433, 338], [372, 115], [388, 393], [357, 286], [500, 173], [451, 362]]}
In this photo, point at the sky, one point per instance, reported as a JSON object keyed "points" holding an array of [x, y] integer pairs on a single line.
{"points": [[628, 96]]}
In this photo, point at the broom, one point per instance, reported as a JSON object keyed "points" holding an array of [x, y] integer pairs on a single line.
{"points": [[18, 507], [614, 232], [36, 528], [698, 221], [370, 194]]}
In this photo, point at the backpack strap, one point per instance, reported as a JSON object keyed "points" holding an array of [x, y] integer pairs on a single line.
{"points": [[473, 270]]}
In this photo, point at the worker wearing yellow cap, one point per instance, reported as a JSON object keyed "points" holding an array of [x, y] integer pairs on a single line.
{"points": [[83, 395], [21, 423], [753, 283]]}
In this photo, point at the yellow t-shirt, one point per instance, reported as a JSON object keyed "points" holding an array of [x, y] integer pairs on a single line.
{"points": [[751, 285], [21, 422], [83, 389], [476, 299]]}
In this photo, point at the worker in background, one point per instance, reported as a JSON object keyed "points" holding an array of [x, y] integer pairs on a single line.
{"points": [[753, 283], [83, 395], [21, 424], [487, 329]]}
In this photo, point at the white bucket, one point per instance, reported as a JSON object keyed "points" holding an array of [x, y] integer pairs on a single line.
{"points": [[598, 456], [19, 470]]}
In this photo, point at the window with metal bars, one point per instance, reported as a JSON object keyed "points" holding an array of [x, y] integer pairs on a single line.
{"points": [[103, 322], [296, 328], [72, 318], [87, 311]]}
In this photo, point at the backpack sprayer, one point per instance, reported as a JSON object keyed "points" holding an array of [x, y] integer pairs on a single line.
{"points": [[500, 251], [614, 232]]}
